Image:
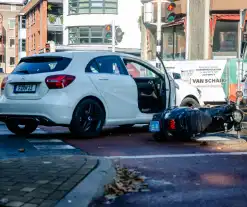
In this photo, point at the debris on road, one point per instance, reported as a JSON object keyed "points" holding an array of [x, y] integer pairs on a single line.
{"points": [[126, 181], [21, 150]]}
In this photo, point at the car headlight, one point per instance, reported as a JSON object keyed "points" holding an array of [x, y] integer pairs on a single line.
{"points": [[238, 116]]}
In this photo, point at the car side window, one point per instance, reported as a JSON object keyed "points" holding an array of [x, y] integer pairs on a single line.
{"points": [[109, 64], [136, 69]]}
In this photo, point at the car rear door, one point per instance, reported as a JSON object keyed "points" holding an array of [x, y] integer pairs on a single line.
{"points": [[27, 81], [118, 89]]}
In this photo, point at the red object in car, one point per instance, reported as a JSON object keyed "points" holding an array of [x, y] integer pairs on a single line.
{"points": [[59, 81], [4, 81], [132, 70]]}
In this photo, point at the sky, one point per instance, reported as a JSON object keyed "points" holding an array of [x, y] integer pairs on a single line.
{"points": [[12, 1]]}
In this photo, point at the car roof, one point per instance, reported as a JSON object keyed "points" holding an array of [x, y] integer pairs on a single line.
{"points": [[86, 54], [89, 55]]}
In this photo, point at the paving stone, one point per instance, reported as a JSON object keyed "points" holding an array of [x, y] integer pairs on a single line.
{"points": [[42, 181], [56, 182], [75, 178], [36, 201], [18, 198], [27, 189], [46, 190], [48, 203], [16, 193], [67, 186], [36, 195], [29, 205], [57, 195], [83, 171], [30, 182], [14, 204]]}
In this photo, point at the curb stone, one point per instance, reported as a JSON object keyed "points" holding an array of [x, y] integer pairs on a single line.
{"points": [[92, 187]]}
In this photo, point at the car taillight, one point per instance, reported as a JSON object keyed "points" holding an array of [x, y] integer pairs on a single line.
{"points": [[172, 124], [59, 81], [4, 81]]}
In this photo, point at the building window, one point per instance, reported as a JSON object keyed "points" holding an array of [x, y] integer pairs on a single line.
{"points": [[12, 42], [174, 43], [12, 61], [11, 23], [93, 6], [23, 22], [225, 36], [55, 36], [23, 45], [87, 35]]}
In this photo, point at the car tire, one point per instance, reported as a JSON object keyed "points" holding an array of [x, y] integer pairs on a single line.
{"points": [[14, 127], [190, 102], [88, 119]]}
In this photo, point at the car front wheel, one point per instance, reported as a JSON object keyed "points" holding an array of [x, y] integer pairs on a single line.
{"points": [[21, 128], [189, 102], [88, 119]]}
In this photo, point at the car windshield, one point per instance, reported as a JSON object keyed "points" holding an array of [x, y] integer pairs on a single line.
{"points": [[41, 64]]}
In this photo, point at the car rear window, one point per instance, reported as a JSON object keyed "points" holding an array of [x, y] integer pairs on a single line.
{"points": [[41, 64]]}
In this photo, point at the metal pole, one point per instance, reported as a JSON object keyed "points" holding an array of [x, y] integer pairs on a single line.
{"points": [[159, 25], [113, 36], [187, 30], [239, 49]]}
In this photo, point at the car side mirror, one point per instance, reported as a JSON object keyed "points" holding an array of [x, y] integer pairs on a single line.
{"points": [[176, 85]]}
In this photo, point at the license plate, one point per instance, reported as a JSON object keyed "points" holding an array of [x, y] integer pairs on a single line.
{"points": [[25, 89], [154, 126]]}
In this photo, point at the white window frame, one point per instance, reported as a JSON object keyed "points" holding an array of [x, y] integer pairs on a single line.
{"points": [[13, 7]]}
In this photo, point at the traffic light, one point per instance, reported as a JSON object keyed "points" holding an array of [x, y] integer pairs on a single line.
{"points": [[108, 32], [47, 47], [170, 17]]}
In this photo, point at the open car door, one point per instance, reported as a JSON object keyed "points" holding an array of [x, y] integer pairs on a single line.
{"points": [[170, 85]]}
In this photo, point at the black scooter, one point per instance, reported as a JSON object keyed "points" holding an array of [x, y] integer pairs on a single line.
{"points": [[183, 123]]}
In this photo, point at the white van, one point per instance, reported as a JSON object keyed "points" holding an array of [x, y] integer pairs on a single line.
{"points": [[186, 94]]}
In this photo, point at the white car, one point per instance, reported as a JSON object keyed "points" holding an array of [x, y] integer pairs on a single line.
{"points": [[83, 91]]}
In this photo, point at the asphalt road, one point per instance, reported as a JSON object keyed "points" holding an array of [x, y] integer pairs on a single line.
{"points": [[178, 174]]}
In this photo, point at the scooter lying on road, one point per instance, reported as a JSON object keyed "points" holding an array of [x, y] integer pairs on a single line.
{"points": [[183, 123]]}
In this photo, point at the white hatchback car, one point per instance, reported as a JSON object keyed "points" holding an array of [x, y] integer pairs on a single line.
{"points": [[83, 91]]}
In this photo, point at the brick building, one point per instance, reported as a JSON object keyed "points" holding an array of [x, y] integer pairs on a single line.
{"points": [[43, 23], [223, 31], [8, 11]]}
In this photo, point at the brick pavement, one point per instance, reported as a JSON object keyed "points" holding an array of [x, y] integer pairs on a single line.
{"points": [[41, 181]]}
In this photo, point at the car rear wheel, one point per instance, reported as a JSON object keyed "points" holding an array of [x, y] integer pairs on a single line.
{"points": [[189, 102], [21, 128], [88, 119]]}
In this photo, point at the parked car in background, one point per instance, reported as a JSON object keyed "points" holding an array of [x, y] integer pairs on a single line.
{"points": [[83, 91]]}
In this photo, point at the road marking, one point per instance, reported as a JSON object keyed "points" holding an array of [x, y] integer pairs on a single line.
{"points": [[53, 147], [177, 155], [44, 140]]}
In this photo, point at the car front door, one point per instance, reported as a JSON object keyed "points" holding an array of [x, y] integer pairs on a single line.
{"points": [[118, 89]]}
